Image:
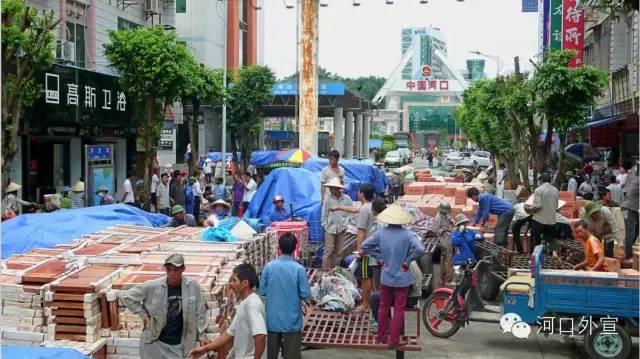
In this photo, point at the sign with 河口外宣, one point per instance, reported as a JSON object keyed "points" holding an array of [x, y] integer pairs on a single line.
{"points": [[80, 98]]}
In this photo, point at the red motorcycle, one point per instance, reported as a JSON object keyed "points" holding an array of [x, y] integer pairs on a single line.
{"points": [[446, 310]]}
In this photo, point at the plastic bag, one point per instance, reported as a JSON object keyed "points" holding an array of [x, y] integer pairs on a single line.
{"points": [[212, 234]]}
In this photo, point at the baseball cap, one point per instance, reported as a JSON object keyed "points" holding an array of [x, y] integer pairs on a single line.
{"points": [[175, 259]]}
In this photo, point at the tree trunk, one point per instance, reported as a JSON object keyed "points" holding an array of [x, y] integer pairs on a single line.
{"points": [[234, 153], [10, 123], [148, 143], [561, 157], [194, 138]]}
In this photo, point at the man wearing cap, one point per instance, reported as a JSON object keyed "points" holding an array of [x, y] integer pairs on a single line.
{"points": [[490, 204], [176, 188], [105, 198], [220, 211], [603, 225], [334, 223], [544, 206], [279, 212], [173, 311], [442, 227], [180, 218], [397, 247]]}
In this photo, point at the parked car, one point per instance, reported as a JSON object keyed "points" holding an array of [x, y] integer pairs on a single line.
{"points": [[455, 158], [406, 154], [393, 159], [480, 158]]}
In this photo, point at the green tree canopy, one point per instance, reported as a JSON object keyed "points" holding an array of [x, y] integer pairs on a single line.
{"points": [[27, 51], [364, 86]]}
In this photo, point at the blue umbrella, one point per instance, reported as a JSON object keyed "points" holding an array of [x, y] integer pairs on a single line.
{"points": [[582, 152]]}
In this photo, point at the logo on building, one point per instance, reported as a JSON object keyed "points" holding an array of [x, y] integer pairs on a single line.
{"points": [[426, 70]]}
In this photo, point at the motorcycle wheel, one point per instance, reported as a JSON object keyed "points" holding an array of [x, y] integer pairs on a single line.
{"points": [[441, 328]]}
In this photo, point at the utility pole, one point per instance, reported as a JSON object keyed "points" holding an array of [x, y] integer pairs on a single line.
{"points": [[308, 83], [223, 150]]}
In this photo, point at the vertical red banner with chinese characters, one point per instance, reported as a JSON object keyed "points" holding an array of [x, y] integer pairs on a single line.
{"points": [[573, 30]]}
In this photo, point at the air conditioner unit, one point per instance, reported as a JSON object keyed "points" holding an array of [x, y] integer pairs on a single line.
{"points": [[152, 6], [66, 51]]}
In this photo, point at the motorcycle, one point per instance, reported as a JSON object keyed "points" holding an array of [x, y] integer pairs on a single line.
{"points": [[446, 310]]}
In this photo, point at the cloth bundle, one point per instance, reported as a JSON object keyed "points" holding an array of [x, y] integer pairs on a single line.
{"points": [[336, 292]]}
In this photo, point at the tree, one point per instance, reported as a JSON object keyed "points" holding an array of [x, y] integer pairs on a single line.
{"points": [[154, 67], [205, 87], [563, 96], [364, 86], [250, 89], [27, 51]]}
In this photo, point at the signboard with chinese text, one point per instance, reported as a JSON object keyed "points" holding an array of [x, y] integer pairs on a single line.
{"points": [[84, 100], [546, 15], [529, 5], [555, 26], [573, 30], [324, 88]]}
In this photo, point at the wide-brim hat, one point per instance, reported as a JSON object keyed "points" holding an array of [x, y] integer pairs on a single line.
{"points": [[590, 208], [278, 199], [529, 202], [220, 202], [177, 209], [394, 214], [78, 187], [444, 208], [460, 219], [12, 187], [102, 189], [335, 182]]}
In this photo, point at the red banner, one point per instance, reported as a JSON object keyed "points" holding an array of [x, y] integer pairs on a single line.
{"points": [[573, 30]]}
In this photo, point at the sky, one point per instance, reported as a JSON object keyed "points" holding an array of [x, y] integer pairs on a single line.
{"points": [[365, 40]]}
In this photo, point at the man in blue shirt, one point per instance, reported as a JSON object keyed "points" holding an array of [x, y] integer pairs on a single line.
{"points": [[490, 204], [284, 283], [398, 247], [279, 212]]}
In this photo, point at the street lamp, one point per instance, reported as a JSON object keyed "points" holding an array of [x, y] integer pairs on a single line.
{"points": [[356, 3], [498, 60], [223, 154]]}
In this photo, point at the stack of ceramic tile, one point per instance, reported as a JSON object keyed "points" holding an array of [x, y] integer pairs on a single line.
{"points": [[22, 321]]}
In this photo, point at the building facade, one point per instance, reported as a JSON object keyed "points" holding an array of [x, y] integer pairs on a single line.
{"points": [[612, 44], [82, 103]]}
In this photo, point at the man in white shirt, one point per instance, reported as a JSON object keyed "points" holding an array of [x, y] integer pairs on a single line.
{"points": [[250, 189], [155, 180], [127, 188], [572, 184], [248, 330], [208, 170]]}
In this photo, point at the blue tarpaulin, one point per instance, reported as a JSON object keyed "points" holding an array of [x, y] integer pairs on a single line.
{"points": [[300, 188], [355, 171], [46, 230], [263, 158], [20, 352]]}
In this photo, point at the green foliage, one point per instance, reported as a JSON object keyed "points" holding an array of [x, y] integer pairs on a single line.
{"points": [[364, 86], [205, 86], [27, 51], [563, 93], [251, 88]]}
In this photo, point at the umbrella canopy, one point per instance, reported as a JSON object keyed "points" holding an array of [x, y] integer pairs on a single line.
{"points": [[582, 152], [294, 156]]}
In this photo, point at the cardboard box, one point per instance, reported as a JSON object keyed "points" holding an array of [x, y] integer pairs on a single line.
{"points": [[613, 264], [567, 196]]}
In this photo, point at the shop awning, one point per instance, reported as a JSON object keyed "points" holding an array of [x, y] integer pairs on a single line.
{"points": [[603, 121]]}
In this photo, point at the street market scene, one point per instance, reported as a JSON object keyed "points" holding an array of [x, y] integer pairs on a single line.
{"points": [[320, 178]]}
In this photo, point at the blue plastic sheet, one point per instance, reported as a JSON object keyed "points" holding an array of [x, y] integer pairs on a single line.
{"points": [[263, 158], [46, 230], [356, 172], [300, 188], [20, 352]]}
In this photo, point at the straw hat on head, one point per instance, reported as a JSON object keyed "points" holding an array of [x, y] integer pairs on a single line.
{"points": [[102, 189], [460, 219], [335, 182], [394, 214], [12, 187], [78, 187], [220, 202]]}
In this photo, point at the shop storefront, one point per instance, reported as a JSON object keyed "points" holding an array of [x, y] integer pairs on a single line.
{"points": [[77, 108]]}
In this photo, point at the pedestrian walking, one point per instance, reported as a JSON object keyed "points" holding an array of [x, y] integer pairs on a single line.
{"points": [[490, 204], [279, 212], [172, 309], [248, 331], [615, 189], [365, 222], [180, 218], [105, 198], [543, 206], [331, 171], [128, 196], [176, 188], [284, 284], [189, 198], [334, 223], [197, 194], [442, 227], [155, 181], [208, 170], [237, 196], [250, 189], [630, 212], [77, 195], [163, 201], [398, 247], [602, 224], [430, 159]]}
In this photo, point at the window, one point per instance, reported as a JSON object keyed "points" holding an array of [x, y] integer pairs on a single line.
{"points": [[181, 6], [124, 24], [76, 36]]}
